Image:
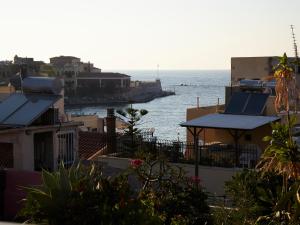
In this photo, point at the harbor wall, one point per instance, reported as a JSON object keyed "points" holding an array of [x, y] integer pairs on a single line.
{"points": [[139, 92]]}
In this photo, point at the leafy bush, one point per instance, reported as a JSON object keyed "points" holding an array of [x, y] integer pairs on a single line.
{"points": [[177, 199], [253, 195], [82, 195]]}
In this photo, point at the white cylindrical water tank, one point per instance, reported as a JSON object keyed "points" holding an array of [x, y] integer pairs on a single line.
{"points": [[47, 85]]}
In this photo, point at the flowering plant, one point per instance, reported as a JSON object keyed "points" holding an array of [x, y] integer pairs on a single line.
{"points": [[195, 180], [136, 163]]}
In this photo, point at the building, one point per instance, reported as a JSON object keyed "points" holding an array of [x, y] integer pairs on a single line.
{"points": [[106, 80], [254, 68], [8, 69], [233, 132], [34, 133]]}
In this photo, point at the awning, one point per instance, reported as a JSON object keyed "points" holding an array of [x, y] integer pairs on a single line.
{"points": [[230, 121]]}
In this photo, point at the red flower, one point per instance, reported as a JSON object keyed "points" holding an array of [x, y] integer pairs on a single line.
{"points": [[195, 179], [136, 163]]}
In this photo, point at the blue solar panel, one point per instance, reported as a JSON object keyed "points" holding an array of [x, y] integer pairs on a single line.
{"points": [[256, 104], [10, 105], [237, 103], [27, 109]]}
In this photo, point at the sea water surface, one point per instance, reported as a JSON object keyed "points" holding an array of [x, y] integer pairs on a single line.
{"points": [[165, 114]]}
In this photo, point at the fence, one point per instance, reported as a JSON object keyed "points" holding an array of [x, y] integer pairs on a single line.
{"points": [[219, 155]]}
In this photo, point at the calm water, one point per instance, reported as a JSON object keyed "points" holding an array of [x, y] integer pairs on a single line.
{"points": [[166, 113]]}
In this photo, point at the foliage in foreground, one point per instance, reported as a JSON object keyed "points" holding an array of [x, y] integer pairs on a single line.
{"points": [[282, 157], [82, 195], [175, 196], [253, 196]]}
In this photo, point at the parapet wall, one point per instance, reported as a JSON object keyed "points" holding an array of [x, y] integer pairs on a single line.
{"points": [[212, 178]]}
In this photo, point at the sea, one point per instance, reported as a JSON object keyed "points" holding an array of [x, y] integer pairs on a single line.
{"points": [[166, 113]]}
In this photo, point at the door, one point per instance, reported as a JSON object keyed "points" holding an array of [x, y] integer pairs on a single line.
{"points": [[43, 151]]}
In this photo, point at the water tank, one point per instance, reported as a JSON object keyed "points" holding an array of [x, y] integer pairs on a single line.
{"points": [[270, 84], [47, 85], [251, 83]]}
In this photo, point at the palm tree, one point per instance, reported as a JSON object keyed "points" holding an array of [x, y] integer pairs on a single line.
{"points": [[285, 84], [282, 155]]}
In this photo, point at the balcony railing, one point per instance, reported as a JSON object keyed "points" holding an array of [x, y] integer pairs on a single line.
{"points": [[218, 155]]}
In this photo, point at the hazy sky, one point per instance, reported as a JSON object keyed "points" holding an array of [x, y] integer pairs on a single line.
{"points": [[139, 34]]}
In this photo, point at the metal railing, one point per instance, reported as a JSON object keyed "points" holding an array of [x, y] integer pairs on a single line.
{"points": [[218, 155]]}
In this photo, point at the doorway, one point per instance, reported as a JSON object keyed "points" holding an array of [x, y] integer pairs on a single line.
{"points": [[43, 151]]}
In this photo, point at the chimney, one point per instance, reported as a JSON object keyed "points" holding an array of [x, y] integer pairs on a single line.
{"points": [[111, 130]]}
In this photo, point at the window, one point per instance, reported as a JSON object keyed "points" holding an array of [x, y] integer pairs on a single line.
{"points": [[66, 149], [7, 155], [248, 137]]}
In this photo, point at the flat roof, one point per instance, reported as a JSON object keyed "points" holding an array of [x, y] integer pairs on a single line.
{"points": [[102, 75], [230, 121]]}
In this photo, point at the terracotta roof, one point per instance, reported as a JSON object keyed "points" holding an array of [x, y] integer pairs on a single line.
{"points": [[90, 143], [102, 75]]}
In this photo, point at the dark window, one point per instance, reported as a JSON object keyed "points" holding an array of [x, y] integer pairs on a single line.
{"points": [[7, 155], [248, 137], [43, 151]]}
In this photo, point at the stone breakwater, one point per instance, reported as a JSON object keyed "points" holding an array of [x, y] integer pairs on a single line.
{"points": [[141, 92]]}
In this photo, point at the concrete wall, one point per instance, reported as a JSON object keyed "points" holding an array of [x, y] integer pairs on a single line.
{"points": [[23, 150], [212, 178], [13, 194], [250, 67], [90, 122], [23, 146]]}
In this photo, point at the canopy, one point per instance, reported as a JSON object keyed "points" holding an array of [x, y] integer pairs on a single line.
{"points": [[229, 121]]}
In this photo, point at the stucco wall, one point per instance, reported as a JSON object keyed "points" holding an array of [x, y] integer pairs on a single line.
{"points": [[90, 121], [23, 149], [250, 67], [23, 145]]}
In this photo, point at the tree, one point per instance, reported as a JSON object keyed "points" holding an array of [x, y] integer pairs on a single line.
{"points": [[282, 156], [134, 117], [285, 84]]}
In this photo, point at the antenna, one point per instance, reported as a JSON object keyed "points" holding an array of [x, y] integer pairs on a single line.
{"points": [[295, 44]]}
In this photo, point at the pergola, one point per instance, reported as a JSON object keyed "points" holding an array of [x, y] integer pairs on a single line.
{"points": [[236, 125]]}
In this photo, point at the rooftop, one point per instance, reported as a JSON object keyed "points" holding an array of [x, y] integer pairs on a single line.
{"points": [[102, 75], [230, 121]]}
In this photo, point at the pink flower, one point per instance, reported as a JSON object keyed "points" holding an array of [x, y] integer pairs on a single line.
{"points": [[195, 179], [136, 163]]}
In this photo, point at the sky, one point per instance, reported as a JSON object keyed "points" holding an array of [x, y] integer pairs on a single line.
{"points": [[140, 34]]}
